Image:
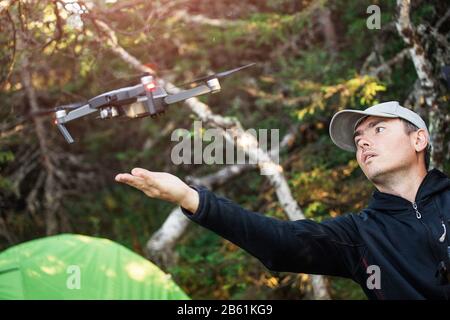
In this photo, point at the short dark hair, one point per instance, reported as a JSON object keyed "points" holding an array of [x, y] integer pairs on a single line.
{"points": [[409, 128]]}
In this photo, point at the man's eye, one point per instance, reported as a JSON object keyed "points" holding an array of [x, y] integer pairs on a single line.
{"points": [[379, 129]]}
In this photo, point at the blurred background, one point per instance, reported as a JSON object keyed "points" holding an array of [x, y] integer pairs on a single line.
{"points": [[313, 58]]}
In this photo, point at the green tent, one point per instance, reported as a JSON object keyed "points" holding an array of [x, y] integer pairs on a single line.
{"points": [[71, 266]]}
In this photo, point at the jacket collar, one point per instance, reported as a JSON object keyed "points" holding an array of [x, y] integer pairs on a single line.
{"points": [[434, 182]]}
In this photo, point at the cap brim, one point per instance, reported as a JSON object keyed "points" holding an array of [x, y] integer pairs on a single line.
{"points": [[342, 127]]}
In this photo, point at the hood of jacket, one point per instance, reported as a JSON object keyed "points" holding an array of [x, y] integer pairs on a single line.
{"points": [[434, 182]]}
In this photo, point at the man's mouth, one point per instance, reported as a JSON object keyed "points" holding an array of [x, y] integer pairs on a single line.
{"points": [[368, 156]]}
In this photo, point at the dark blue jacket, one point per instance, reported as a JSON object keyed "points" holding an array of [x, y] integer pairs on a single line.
{"points": [[406, 241]]}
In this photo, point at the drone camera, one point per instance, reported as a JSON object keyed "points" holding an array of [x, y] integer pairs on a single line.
{"points": [[109, 112]]}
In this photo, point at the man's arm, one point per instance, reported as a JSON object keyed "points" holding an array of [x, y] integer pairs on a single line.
{"points": [[293, 246]]}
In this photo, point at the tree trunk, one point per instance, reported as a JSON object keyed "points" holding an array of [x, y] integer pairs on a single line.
{"points": [[328, 30], [51, 201], [429, 85]]}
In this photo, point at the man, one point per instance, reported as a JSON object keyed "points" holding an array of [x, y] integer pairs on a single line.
{"points": [[396, 248]]}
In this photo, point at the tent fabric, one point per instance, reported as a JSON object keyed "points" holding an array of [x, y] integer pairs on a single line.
{"points": [[69, 266]]}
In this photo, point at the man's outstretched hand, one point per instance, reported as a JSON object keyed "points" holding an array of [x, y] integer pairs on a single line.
{"points": [[162, 185]]}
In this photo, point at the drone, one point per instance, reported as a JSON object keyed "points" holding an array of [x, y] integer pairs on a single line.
{"points": [[141, 100]]}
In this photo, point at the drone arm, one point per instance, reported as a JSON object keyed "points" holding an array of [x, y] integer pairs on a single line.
{"points": [[197, 91], [78, 113], [62, 118]]}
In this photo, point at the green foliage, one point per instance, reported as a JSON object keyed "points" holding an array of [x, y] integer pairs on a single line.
{"points": [[5, 184], [345, 289], [6, 156], [207, 261]]}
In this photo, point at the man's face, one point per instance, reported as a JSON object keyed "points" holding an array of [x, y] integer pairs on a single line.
{"points": [[382, 147]]}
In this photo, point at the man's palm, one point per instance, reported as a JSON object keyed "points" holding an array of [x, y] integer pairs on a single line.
{"points": [[160, 185]]}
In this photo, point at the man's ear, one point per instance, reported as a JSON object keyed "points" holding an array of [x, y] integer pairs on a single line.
{"points": [[420, 139]]}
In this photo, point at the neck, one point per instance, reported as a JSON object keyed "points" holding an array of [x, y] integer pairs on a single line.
{"points": [[404, 184]]}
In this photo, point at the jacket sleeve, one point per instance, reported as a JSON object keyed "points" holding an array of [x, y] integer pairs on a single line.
{"points": [[327, 248]]}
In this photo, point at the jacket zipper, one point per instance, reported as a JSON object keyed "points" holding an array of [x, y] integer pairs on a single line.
{"points": [[418, 215], [442, 238]]}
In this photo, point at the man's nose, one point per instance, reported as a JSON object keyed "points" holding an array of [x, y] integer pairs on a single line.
{"points": [[363, 143]]}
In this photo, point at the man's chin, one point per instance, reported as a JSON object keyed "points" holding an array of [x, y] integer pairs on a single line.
{"points": [[375, 174], [379, 175]]}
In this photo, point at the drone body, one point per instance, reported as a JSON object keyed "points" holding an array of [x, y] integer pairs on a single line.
{"points": [[142, 100]]}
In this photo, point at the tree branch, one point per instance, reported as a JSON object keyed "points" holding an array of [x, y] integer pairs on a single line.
{"points": [[386, 67], [201, 19]]}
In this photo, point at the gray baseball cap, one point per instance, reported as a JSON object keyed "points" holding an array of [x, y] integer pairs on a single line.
{"points": [[344, 122]]}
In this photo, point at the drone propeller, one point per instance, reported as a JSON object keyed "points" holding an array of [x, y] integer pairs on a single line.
{"points": [[43, 112], [218, 75]]}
